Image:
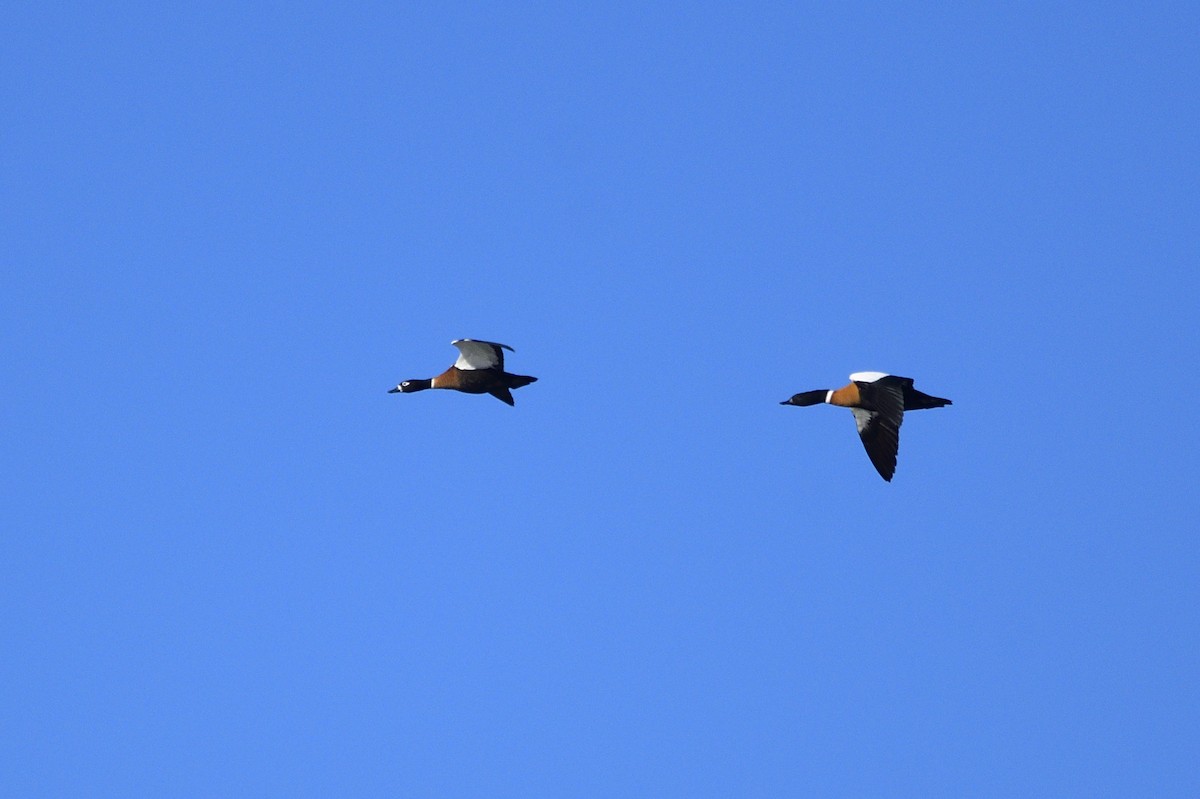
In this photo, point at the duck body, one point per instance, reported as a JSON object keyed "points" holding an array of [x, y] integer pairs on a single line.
{"points": [[478, 370], [878, 401]]}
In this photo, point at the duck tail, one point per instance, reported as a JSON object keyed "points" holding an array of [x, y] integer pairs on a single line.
{"points": [[517, 381], [918, 401]]}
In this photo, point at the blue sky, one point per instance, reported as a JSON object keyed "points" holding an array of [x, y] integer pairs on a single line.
{"points": [[234, 566]]}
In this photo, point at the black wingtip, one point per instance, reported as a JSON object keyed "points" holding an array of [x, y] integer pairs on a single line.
{"points": [[504, 395]]}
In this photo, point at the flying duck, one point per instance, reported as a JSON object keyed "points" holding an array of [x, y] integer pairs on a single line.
{"points": [[478, 370], [878, 402]]}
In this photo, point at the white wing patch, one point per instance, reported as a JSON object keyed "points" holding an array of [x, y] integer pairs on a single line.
{"points": [[862, 418], [867, 377], [477, 354]]}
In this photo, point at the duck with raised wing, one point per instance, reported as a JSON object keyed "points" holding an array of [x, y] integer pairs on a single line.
{"points": [[478, 370], [878, 402]]}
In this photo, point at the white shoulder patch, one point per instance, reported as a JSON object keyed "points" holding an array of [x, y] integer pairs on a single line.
{"points": [[868, 377], [476, 354]]}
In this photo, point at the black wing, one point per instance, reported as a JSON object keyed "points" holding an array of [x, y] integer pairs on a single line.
{"points": [[879, 421]]}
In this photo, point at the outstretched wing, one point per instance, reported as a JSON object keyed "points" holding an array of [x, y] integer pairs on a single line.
{"points": [[879, 423], [480, 354]]}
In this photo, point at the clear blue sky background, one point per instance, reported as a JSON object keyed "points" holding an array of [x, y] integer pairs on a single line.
{"points": [[232, 565]]}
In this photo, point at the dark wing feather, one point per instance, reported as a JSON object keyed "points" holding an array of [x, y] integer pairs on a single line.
{"points": [[503, 394], [879, 421]]}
